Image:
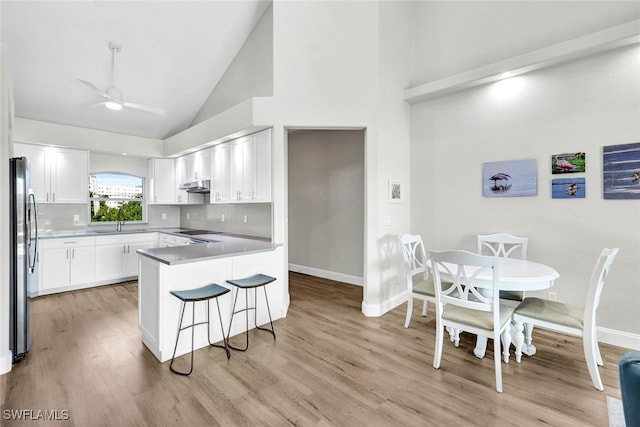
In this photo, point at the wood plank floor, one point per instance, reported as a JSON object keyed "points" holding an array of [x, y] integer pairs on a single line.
{"points": [[330, 366]]}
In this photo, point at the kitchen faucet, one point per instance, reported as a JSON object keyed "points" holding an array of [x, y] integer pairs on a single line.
{"points": [[120, 222]]}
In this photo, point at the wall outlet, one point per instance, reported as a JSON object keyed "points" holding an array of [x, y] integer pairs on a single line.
{"points": [[552, 296], [386, 220], [76, 217], [188, 215], [245, 219], [222, 217], [164, 215]]}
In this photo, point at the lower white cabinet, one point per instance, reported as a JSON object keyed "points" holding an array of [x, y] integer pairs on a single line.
{"points": [[65, 264], [116, 256]]}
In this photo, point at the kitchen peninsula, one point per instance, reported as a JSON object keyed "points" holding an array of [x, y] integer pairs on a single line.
{"points": [[220, 258]]}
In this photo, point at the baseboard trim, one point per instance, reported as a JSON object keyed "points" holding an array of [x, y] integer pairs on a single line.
{"points": [[377, 310], [325, 274], [6, 361], [619, 338]]}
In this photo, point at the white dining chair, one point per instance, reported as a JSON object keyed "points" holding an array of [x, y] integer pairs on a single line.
{"points": [[462, 305], [572, 320], [419, 283], [506, 246]]}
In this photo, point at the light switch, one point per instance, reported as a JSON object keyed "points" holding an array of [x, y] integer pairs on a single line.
{"points": [[386, 220], [164, 215], [76, 217], [188, 215], [222, 217], [245, 219]]}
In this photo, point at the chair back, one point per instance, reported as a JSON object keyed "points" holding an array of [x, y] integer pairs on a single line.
{"points": [[596, 284], [462, 287], [503, 245], [414, 257]]}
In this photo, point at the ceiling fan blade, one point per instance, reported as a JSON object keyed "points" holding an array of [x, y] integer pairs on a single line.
{"points": [[95, 104], [148, 108], [94, 87]]}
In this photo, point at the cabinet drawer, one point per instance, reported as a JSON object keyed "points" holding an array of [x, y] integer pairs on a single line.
{"points": [[67, 242]]}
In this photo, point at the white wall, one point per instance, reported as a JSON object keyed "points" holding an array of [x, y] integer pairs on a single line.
{"points": [[457, 36], [6, 119], [249, 75], [580, 106], [326, 203]]}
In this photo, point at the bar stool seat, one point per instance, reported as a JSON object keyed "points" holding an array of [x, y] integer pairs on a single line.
{"points": [[205, 293], [253, 282]]}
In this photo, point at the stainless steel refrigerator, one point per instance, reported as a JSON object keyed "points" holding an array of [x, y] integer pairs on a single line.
{"points": [[23, 240]]}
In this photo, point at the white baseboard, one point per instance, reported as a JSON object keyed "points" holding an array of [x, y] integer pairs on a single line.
{"points": [[377, 310], [6, 362], [619, 338], [331, 275]]}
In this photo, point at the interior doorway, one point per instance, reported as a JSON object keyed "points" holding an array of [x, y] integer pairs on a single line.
{"points": [[326, 203]]}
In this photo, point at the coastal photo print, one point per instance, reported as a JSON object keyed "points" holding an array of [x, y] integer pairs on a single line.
{"points": [[568, 163], [621, 171], [567, 188], [513, 178]]}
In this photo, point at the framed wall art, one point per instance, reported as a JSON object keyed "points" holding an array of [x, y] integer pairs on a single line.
{"points": [[567, 188], [514, 178], [621, 171], [395, 191], [568, 163]]}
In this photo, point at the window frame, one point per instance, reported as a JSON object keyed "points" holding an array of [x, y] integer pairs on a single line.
{"points": [[141, 200]]}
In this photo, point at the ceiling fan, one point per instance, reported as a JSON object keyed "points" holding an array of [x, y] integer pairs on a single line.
{"points": [[112, 95]]}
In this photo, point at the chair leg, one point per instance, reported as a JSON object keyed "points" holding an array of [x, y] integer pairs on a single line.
{"points": [[497, 362], [590, 356], [407, 320], [425, 303], [233, 313], [596, 350], [506, 342], [255, 299], [224, 339], [178, 338], [437, 355]]}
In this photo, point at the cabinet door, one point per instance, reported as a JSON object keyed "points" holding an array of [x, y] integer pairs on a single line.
{"points": [[220, 184], [241, 173], [131, 258], [82, 265], [69, 176], [201, 165], [182, 196], [262, 166], [54, 268], [40, 172], [162, 187], [110, 261]]}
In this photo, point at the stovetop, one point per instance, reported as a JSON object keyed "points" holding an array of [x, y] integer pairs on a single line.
{"points": [[198, 232]]}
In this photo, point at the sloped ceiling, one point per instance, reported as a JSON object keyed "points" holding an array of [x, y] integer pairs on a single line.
{"points": [[173, 54]]}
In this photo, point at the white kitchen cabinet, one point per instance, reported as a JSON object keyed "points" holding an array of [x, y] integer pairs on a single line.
{"points": [[262, 166], [161, 182], [220, 178], [66, 264], [58, 175], [116, 256], [250, 168], [196, 166]]}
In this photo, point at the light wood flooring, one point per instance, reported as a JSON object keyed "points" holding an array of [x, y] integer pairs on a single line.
{"points": [[330, 366]]}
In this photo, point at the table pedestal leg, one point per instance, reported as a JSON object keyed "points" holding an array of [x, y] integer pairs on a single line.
{"points": [[528, 348], [518, 339]]}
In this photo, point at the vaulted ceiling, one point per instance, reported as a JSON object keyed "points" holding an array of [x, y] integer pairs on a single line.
{"points": [[172, 55]]}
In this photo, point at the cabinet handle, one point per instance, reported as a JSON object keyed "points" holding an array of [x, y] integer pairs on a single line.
{"points": [[67, 253], [53, 196], [47, 197], [128, 249], [73, 253], [124, 249]]}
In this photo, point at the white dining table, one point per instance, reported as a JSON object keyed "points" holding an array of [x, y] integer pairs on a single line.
{"points": [[515, 275]]}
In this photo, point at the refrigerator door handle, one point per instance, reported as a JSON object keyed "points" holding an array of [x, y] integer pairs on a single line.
{"points": [[32, 198]]}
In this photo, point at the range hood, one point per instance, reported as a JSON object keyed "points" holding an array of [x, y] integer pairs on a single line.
{"points": [[196, 186]]}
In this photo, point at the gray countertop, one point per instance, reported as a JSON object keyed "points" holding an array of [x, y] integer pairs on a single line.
{"points": [[223, 246], [104, 232]]}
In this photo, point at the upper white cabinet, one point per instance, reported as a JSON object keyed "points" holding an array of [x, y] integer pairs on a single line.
{"points": [[58, 175], [195, 166], [249, 170], [161, 182], [220, 178], [182, 176]]}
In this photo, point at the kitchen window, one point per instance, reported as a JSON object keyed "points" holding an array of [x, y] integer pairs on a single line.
{"points": [[115, 197]]}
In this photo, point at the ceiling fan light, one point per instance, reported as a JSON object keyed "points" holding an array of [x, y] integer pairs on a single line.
{"points": [[113, 105]]}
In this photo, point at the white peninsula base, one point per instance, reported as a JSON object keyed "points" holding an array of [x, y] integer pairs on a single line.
{"points": [[158, 310]]}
